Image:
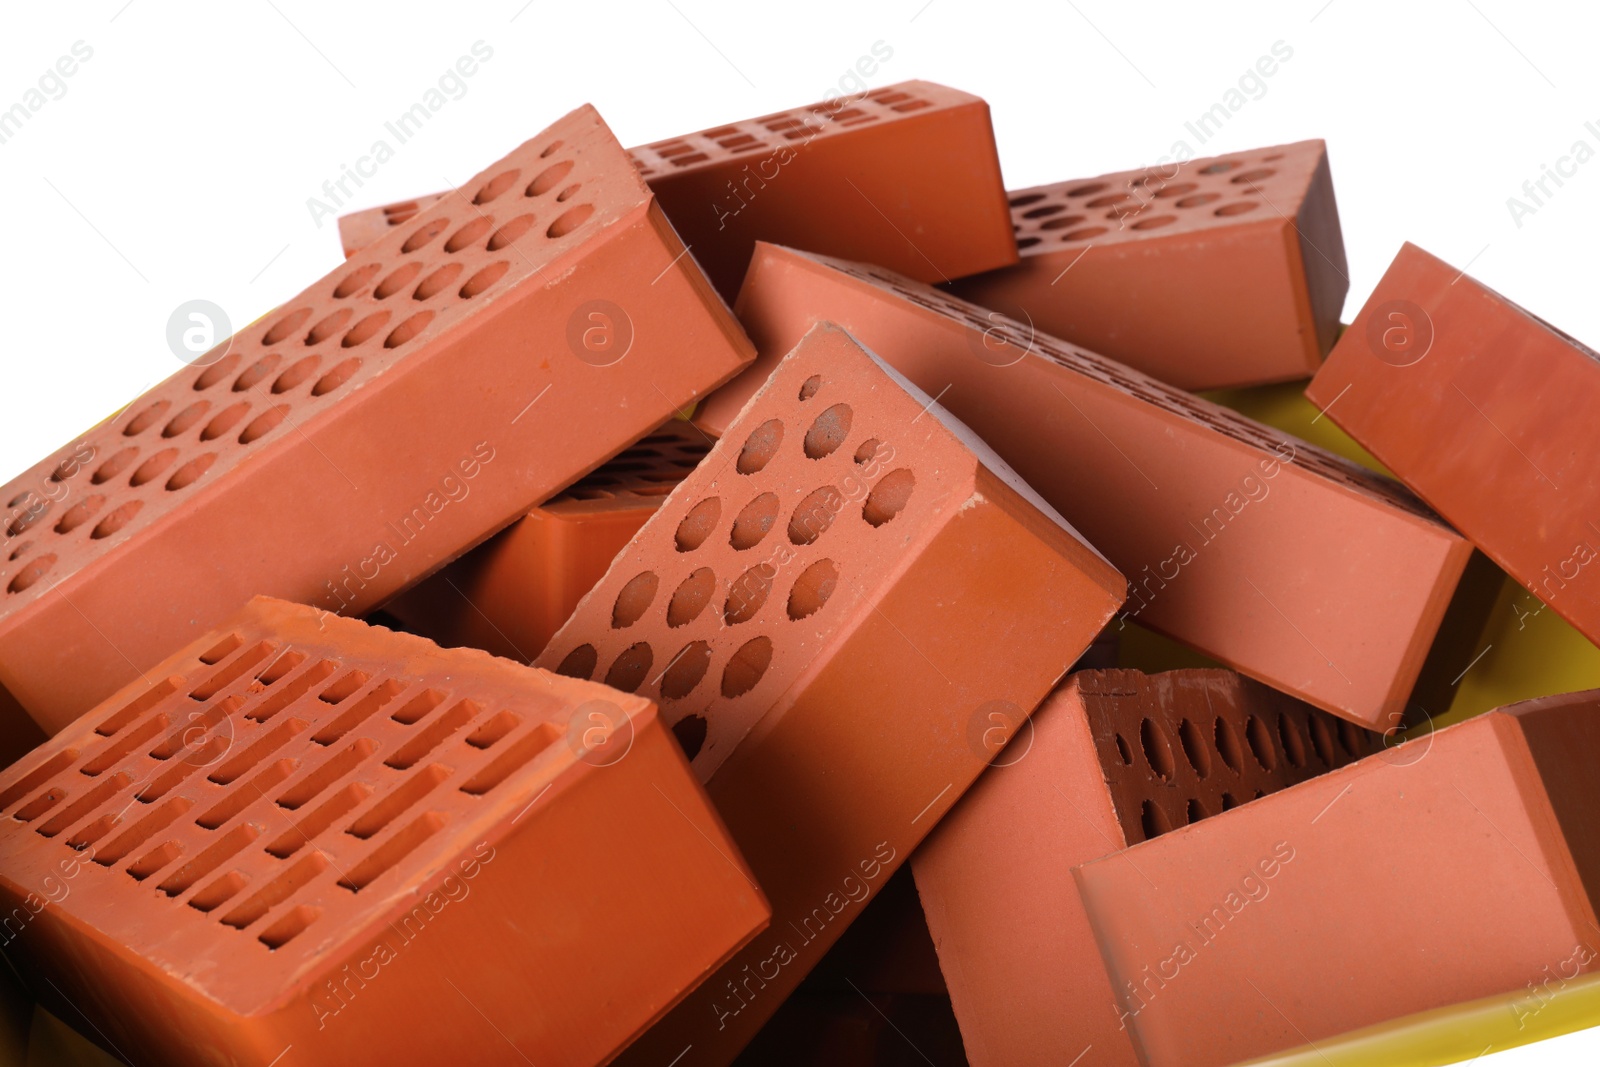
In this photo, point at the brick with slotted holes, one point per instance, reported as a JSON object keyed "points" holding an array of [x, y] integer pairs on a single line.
{"points": [[1210, 273], [1487, 412], [823, 608], [1274, 557], [399, 411], [1286, 921], [906, 176], [307, 831], [1112, 758]]}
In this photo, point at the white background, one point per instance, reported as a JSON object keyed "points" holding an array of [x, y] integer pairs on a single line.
{"points": [[178, 162]]}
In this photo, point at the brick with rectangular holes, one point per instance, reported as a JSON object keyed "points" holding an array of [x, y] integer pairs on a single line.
{"points": [[400, 410], [304, 831], [1112, 758], [1213, 272], [826, 609], [1487, 412], [1272, 556], [1296, 918], [906, 176], [509, 595]]}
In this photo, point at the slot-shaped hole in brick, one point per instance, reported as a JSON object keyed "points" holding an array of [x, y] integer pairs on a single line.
{"points": [[496, 187], [759, 448], [698, 524], [437, 282], [1260, 740], [580, 662], [257, 372], [691, 596], [1157, 749], [635, 599], [812, 589], [632, 665], [685, 670], [1294, 744], [510, 233], [549, 178], [356, 281], [484, 279], [814, 514], [570, 220], [398, 280], [748, 593], [424, 234], [828, 431], [1195, 748], [118, 462], [224, 421], [327, 328], [889, 496], [366, 329], [754, 522]]}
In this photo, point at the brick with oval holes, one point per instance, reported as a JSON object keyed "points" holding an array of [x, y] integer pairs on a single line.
{"points": [[906, 175], [819, 608], [1287, 921], [1280, 560], [387, 845], [1487, 412], [1215, 272], [399, 411], [1112, 758]]}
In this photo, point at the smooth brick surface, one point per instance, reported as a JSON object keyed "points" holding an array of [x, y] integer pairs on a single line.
{"points": [[1285, 921], [1276, 558], [1223, 271], [400, 410], [825, 608], [316, 833]]}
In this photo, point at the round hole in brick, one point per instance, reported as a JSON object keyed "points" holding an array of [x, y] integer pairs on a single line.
{"points": [[20, 551], [38, 568], [287, 326], [185, 420], [263, 424], [691, 734], [496, 187], [1294, 742], [329, 326], [1176, 189], [1155, 223], [760, 447], [1061, 222], [1195, 748], [484, 279], [579, 663], [549, 178], [116, 520], [296, 374], [1251, 177], [356, 281], [114, 466], [468, 235], [1238, 207], [1025, 199], [190, 472], [80, 513], [685, 670], [691, 597], [67, 468], [550, 148], [422, 236], [1045, 211], [1228, 802], [1260, 739], [1028, 242], [570, 220], [399, 279], [408, 329], [868, 449], [1196, 810], [336, 377], [1322, 740], [438, 281], [828, 432], [809, 387], [813, 588], [629, 670], [634, 599], [746, 666], [698, 524], [748, 593], [255, 373], [1153, 820], [366, 329], [889, 497], [1087, 190], [153, 467], [813, 515], [754, 522], [1107, 201], [1198, 200], [1084, 234], [1352, 738], [216, 372], [566, 194], [1124, 753], [1157, 749], [510, 233], [146, 418], [29, 517], [1219, 168], [1228, 745]]}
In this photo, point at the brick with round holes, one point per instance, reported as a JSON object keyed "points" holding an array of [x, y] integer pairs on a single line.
{"points": [[1266, 553], [400, 410], [509, 595], [1287, 920], [823, 607], [365, 846], [1113, 757], [1487, 412], [1209, 273], [906, 176]]}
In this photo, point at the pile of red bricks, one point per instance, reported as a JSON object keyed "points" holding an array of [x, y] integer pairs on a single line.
{"points": [[546, 638]]}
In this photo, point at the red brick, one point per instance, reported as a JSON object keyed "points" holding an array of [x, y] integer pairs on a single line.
{"points": [[1312, 575], [1215, 272], [230, 876], [826, 607], [359, 229], [1487, 412], [361, 437], [906, 176], [1456, 866], [1112, 758]]}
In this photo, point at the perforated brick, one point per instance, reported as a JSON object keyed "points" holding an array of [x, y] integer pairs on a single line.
{"points": [[1112, 758], [359, 229], [1487, 412], [305, 832], [1287, 921], [906, 176], [397, 412], [1272, 556], [824, 608], [510, 595], [1213, 272]]}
